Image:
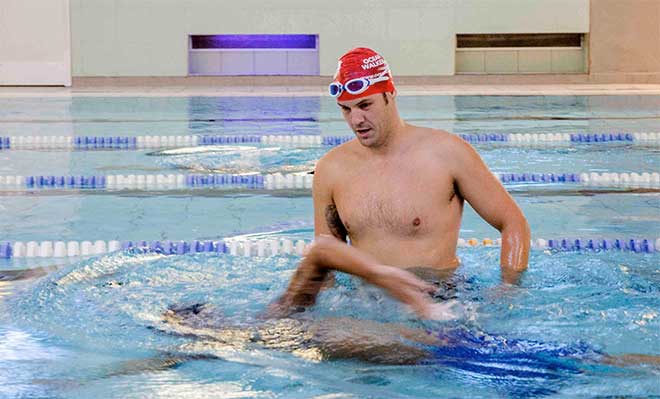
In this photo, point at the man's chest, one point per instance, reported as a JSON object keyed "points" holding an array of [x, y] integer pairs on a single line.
{"points": [[401, 202]]}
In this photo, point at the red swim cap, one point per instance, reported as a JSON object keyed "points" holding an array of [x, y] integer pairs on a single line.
{"points": [[359, 63]]}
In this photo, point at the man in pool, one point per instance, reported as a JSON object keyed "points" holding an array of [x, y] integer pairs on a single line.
{"points": [[397, 193]]}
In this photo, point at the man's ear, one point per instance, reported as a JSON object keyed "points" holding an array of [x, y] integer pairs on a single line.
{"points": [[387, 96]]}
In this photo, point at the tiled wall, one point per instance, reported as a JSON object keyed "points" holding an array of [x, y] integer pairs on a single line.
{"points": [[259, 62], [521, 60]]}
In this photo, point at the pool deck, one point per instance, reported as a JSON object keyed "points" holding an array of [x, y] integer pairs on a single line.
{"points": [[122, 88]]}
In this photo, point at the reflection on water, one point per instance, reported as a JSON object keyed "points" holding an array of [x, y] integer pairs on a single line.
{"points": [[239, 159]]}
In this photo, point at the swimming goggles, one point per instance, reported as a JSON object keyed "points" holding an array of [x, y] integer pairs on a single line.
{"points": [[355, 86]]}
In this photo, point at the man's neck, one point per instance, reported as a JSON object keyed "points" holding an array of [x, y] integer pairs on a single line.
{"points": [[393, 142]]}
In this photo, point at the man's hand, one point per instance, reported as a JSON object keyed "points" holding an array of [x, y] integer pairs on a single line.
{"points": [[302, 291], [414, 292], [405, 287]]}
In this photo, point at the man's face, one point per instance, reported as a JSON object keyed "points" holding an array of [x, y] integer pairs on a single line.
{"points": [[368, 118]]}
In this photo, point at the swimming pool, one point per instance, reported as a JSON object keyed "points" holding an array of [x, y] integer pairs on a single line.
{"points": [[79, 330]]}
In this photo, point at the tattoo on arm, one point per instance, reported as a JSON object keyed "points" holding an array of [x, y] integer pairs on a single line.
{"points": [[334, 222]]}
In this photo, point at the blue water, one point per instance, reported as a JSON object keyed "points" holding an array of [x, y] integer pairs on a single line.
{"points": [[84, 323], [88, 327]]}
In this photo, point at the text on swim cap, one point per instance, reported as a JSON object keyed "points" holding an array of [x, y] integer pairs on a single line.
{"points": [[372, 62]]}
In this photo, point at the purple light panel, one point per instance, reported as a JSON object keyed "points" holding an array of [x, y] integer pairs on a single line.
{"points": [[253, 41]]}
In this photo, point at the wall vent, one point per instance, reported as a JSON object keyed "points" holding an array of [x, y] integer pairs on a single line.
{"points": [[521, 53], [253, 54]]}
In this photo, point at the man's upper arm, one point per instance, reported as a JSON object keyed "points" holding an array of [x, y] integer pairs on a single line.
{"points": [[481, 188], [326, 217]]}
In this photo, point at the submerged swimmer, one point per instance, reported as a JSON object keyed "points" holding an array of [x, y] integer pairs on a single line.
{"points": [[389, 344], [283, 328]]}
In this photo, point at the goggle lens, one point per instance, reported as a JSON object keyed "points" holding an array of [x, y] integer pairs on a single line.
{"points": [[355, 86], [335, 89]]}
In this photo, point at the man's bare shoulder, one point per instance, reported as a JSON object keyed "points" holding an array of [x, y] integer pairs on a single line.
{"points": [[450, 150], [439, 140], [337, 158]]}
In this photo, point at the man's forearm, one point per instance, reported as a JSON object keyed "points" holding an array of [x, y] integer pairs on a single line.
{"points": [[514, 255], [328, 253], [333, 254]]}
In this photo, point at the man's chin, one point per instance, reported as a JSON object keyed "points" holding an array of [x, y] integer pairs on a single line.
{"points": [[365, 139]]}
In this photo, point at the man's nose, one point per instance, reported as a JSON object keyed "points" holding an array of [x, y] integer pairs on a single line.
{"points": [[357, 117]]}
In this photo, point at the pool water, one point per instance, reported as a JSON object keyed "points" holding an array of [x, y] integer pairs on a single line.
{"points": [[74, 332], [92, 327]]}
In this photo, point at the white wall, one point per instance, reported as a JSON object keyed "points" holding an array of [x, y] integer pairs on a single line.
{"points": [[417, 37], [522, 16], [35, 42]]}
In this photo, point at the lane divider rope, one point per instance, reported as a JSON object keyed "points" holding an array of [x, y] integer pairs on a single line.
{"points": [[159, 182], [278, 181], [275, 247], [151, 142]]}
